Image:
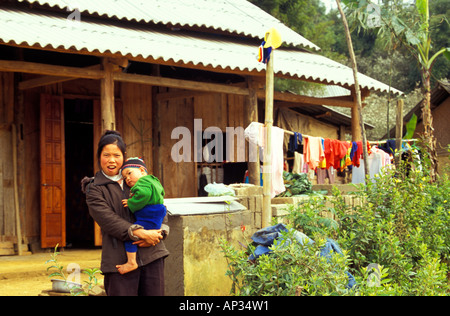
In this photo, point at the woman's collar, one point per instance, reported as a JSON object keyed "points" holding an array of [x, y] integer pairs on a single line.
{"points": [[116, 178]]}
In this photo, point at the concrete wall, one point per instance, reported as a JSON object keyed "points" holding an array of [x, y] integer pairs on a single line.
{"points": [[196, 265]]}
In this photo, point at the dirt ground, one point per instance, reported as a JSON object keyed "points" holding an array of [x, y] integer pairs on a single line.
{"points": [[28, 276]]}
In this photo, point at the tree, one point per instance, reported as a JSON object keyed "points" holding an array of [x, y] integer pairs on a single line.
{"points": [[357, 89], [411, 28]]}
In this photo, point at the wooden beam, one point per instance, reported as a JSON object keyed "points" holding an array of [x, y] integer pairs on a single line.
{"points": [[62, 72], [179, 83], [48, 80], [50, 70], [166, 96], [295, 98]]}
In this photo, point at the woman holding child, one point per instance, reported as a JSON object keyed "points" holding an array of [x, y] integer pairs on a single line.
{"points": [[104, 195]]}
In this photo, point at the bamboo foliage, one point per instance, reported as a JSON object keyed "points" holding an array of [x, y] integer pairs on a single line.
{"points": [[410, 28]]}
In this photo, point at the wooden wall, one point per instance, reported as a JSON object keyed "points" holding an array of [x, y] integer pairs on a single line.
{"points": [[178, 179], [7, 206], [137, 121], [296, 122], [215, 109], [441, 132], [29, 157], [146, 126]]}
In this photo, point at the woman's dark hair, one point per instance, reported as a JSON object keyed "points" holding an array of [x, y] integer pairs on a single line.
{"points": [[108, 138]]}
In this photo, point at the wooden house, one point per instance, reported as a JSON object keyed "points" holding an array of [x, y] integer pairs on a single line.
{"points": [[440, 110], [143, 68]]}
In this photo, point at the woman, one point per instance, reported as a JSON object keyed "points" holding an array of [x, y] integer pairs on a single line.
{"points": [[104, 195]]}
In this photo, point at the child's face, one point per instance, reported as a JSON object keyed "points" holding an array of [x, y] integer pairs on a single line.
{"points": [[132, 175]]}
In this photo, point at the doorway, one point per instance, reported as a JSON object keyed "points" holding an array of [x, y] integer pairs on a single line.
{"points": [[79, 136]]}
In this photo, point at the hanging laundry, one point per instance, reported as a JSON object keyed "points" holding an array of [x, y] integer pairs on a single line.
{"points": [[334, 151], [294, 141], [377, 161], [329, 152], [277, 162], [347, 161], [264, 53], [313, 151], [323, 174], [298, 163], [358, 153], [388, 147], [272, 40], [323, 162], [256, 134]]}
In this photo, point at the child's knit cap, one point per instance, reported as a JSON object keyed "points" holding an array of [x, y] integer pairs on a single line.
{"points": [[134, 162]]}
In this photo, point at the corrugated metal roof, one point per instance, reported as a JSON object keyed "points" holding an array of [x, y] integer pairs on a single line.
{"points": [[234, 16], [47, 30]]}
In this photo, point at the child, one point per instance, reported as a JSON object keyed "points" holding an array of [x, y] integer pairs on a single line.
{"points": [[146, 202]]}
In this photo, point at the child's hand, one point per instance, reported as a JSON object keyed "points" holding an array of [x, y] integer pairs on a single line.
{"points": [[125, 202]]}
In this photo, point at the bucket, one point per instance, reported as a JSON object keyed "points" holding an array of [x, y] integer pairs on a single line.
{"points": [[62, 286]]}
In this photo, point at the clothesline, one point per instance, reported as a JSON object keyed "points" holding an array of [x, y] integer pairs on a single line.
{"points": [[374, 142]]}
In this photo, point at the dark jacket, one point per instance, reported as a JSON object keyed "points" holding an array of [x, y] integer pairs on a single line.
{"points": [[104, 199]]}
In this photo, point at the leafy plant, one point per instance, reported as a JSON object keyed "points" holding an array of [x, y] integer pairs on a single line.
{"points": [[56, 265], [295, 183], [290, 269], [90, 286]]}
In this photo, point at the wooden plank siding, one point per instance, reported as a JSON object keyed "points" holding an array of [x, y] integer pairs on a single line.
{"points": [[137, 121], [178, 179], [7, 206]]}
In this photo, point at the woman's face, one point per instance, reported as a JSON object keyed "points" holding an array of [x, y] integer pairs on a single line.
{"points": [[111, 160]]}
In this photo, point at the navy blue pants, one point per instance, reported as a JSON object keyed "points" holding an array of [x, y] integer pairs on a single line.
{"points": [[149, 217]]}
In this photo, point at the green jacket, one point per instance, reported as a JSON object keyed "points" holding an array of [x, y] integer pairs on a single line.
{"points": [[147, 191]]}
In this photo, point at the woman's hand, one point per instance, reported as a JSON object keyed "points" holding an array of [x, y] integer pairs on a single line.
{"points": [[148, 238]]}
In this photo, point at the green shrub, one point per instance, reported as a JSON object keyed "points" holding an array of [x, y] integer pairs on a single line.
{"points": [[402, 224], [289, 269]]}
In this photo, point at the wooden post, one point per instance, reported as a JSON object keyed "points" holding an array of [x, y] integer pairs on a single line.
{"points": [[399, 129], [251, 115], [267, 164], [107, 97], [16, 190]]}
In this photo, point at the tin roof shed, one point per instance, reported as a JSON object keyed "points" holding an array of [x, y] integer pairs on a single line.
{"points": [[46, 29]]}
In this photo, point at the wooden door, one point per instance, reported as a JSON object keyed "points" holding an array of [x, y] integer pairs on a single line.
{"points": [[52, 164]]}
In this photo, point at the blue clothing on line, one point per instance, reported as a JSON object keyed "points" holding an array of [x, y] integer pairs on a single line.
{"points": [[294, 141], [149, 217], [265, 237]]}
